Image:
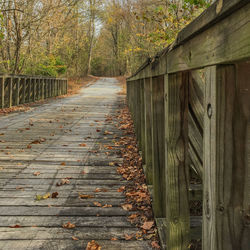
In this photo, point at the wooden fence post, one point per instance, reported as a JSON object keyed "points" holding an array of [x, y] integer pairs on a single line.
{"points": [[10, 83], [158, 146], [17, 91], [226, 158], [148, 129], [142, 128], [2, 91], [177, 181]]}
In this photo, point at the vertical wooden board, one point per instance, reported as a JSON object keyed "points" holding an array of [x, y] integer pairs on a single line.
{"points": [[18, 91], [177, 178], [226, 158], [148, 129], [158, 147], [142, 108], [29, 90], [2, 91], [10, 83]]}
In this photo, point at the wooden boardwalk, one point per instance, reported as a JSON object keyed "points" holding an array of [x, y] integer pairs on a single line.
{"points": [[56, 144]]}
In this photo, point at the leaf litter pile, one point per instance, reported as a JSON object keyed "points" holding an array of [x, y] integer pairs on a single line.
{"points": [[138, 199]]}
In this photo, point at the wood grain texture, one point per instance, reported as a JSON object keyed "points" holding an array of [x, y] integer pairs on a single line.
{"points": [[177, 179], [158, 147], [148, 129], [64, 124], [226, 159]]}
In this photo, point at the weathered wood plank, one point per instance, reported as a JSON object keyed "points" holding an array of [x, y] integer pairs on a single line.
{"points": [[158, 147], [148, 129], [226, 168], [177, 179]]}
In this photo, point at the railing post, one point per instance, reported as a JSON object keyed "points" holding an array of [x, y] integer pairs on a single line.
{"points": [[2, 91], [17, 91], [10, 91], [226, 157], [158, 146], [148, 129], [177, 167], [142, 128]]}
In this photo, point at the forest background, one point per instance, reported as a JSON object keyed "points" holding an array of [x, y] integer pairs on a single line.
{"points": [[75, 38]]}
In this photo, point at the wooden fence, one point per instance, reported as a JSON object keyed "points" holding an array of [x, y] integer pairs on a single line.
{"points": [[17, 89], [191, 109]]}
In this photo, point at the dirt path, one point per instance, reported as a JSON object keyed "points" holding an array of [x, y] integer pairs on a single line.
{"points": [[53, 148]]}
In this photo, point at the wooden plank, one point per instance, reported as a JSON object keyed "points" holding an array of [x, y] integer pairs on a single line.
{"points": [[177, 178], [214, 14], [2, 91], [226, 160], [148, 129], [225, 42], [158, 147], [142, 110], [10, 86]]}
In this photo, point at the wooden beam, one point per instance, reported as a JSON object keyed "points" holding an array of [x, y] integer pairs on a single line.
{"points": [[177, 168], [226, 158], [158, 147], [148, 129], [225, 42], [2, 91]]}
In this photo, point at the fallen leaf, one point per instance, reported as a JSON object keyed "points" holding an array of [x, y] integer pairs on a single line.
{"points": [[155, 244], [107, 205], [63, 182], [63, 163], [15, 226], [68, 225], [93, 246], [98, 204], [82, 145], [114, 238], [54, 195], [83, 172], [121, 189], [127, 207], [128, 237], [29, 146], [36, 173], [101, 190], [74, 238], [147, 225], [85, 196]]}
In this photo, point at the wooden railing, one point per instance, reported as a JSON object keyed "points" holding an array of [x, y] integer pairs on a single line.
{"points": [[18, 89], [191, 109]]}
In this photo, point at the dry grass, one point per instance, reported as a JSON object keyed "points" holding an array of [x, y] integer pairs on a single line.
{"points": [[122, 81], [75, 84]]}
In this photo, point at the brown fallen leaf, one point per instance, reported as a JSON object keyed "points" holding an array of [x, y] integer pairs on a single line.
{"points": [[36, 173], [83, 172], [63, 182], [54, 195], [107, 205], [114, 238], [93, 246], [15, 226], [128, 237], [85, 196], [69, 225], [74, 238], [155, 244], [101, 190], [82, 145], [121, 189], [29, 146], [63, 163], [127, 207], [147, 225], [98, 204]]}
